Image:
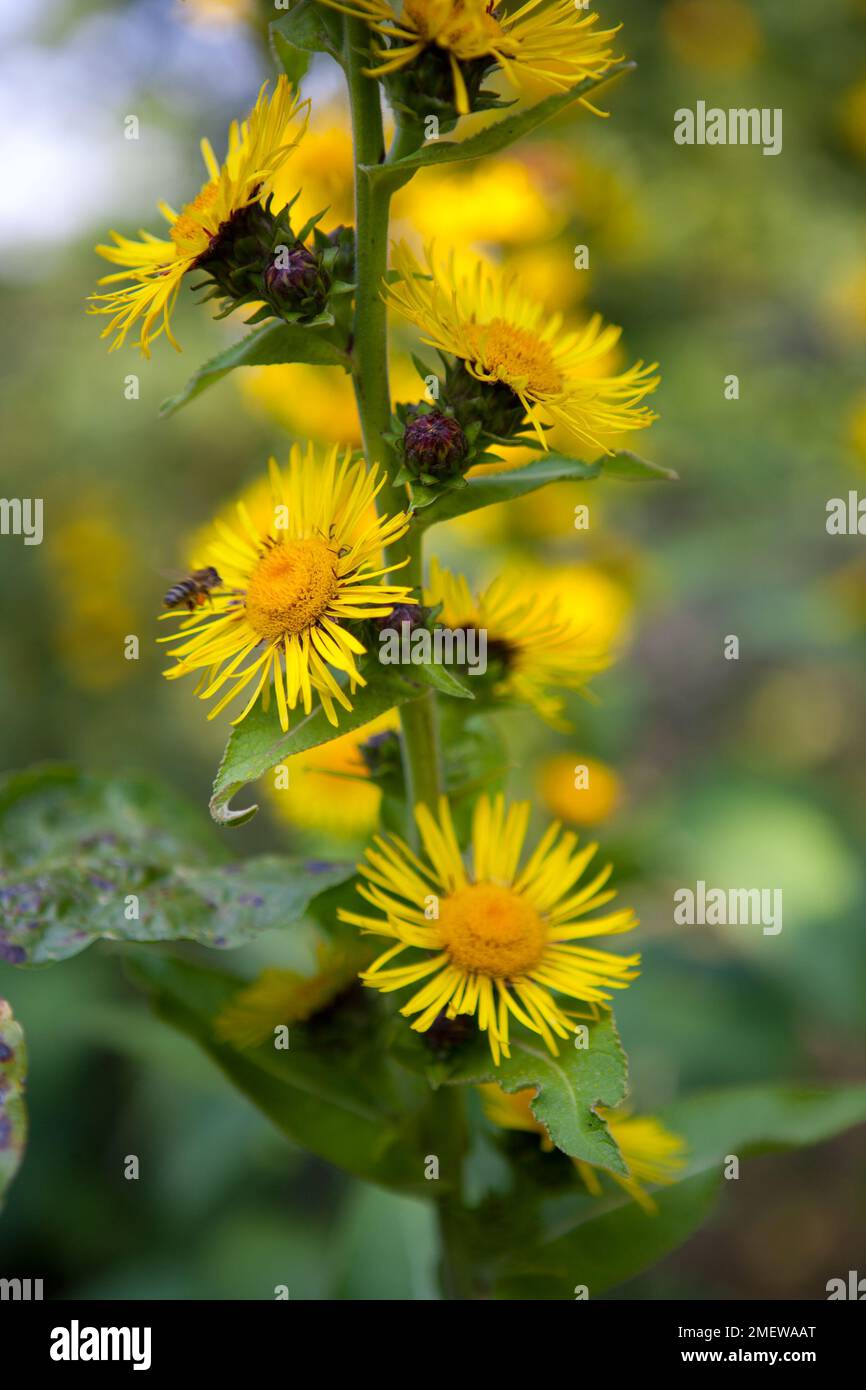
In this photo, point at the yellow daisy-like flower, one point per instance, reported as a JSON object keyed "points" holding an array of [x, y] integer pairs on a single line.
{"points": [[651, 1153], [155, 267], [537, 643], [493, 940], [550, 44], [483, 318], [290, 592]]}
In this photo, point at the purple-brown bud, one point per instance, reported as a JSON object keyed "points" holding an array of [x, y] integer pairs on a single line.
{"points": [[434, 444]]}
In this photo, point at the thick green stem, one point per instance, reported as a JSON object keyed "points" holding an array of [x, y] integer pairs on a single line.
{"points": [[370, 375]]}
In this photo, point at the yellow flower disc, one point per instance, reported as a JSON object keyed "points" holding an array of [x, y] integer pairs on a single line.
{"points": [[291, 587], [490, 930]]}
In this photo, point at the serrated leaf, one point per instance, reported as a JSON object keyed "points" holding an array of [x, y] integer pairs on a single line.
{"points": [[13, 1114], [491, 488], [632, 468], [493, 138], [601, 1242], [258, 744], [312, 27], [568, 1087], [77, 853], [268, 346], [331, 1091]]}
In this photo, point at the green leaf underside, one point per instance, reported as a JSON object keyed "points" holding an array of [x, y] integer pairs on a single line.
{"points": [[13, 1114], [492, 488], [258, 743], [568, 1086], [601, 1242], [311, 27], [495, 137], [75, 849], [268, 346], [631, 468], [331, 1091], [486, 490]]}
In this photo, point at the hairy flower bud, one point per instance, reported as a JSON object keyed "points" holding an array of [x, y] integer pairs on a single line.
{"points": [[434, 444], [292, 274]]}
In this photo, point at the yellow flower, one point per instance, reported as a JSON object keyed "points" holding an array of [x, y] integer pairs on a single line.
{"points": [[330, 788], [551, 46], [484, 319], [495, 939], [280, 997], [290, 591], [537, 645], [651, 1153], [154, 266], [581, 791]]}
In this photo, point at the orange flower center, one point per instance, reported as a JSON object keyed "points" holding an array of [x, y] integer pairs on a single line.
{"points": [[490, 930], [465, 27], [291, 586], [514, 356]]}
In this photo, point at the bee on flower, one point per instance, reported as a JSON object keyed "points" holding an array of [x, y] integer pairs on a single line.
{"points": [[293, 591]]}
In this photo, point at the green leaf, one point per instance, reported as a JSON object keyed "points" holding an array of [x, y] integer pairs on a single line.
{"points": [[568, 1087], [294, 62], [79, 853], [13, 1114], [268, 346], [258, 744], [487, 490], [312, 27], [631, 468], [601, 1242], [333, 1090], [443, 679], [494, 137]]}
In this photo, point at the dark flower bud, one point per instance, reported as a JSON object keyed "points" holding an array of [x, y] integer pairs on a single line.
{"points": [[411, 613], [434, 444], [292, 275]]}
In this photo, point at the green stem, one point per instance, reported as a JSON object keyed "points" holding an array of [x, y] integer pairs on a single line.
{"points": [[370, 376]]}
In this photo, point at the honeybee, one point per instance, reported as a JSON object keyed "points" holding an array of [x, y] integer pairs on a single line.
{"points": [[191, 593]]}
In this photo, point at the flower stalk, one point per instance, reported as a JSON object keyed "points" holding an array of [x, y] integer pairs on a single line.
{"points": [[370, 376]]}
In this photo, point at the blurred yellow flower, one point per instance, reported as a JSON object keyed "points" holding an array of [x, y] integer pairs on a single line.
{"points": [[591, 598], [282, 997], [712, 34], [319, 402], [330, 788], [534, 640], [496, 202], [578, 790], [322, 170], [851, 117], [651, 1152], [89, 556]]}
